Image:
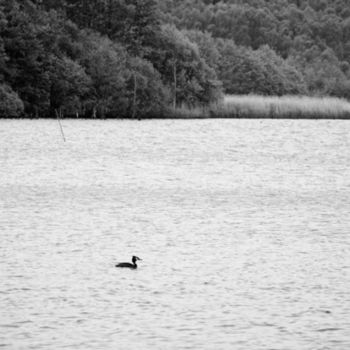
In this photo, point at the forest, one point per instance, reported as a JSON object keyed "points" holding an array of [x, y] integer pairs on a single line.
{"points": [[143, 58]]}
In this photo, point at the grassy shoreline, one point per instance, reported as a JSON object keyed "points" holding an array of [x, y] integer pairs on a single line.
{"points": [[269, 107], [252, 107]]}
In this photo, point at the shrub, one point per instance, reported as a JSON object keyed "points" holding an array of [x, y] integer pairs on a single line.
{"points": [[10, 103]]}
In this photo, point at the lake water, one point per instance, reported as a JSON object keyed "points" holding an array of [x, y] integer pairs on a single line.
{"points": [[243, 227]]}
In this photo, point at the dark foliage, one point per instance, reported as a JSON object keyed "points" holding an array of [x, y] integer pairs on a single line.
{"points": [[311, 36], [135, 58]]}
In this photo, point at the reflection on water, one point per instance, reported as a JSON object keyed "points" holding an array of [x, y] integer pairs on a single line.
{"points": [[243, 228]]}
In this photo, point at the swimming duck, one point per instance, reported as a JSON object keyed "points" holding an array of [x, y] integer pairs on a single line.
{"points": [[129, 265]]}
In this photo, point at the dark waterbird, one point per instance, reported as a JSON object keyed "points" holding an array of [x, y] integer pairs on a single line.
{"points": [[129, 265]]}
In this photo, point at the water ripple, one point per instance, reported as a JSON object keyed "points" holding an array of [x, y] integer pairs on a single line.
{"points": [[242, 227]]}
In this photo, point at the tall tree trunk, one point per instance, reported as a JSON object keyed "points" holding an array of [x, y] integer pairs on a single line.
{"points": [[109, 21], [175, 82], [135, 98]]}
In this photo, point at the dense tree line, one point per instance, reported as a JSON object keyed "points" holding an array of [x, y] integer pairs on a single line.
{"points": [[136, 58], [97, 58], [306, 42]]}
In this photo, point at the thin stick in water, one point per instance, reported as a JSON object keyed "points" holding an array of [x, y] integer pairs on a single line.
{"points": [[59, 122]]}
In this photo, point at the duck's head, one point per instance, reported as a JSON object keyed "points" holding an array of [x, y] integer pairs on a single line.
{"points": [[135, 258]]}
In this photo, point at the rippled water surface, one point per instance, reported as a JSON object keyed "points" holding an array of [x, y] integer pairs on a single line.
{"points": [[243, 227]]}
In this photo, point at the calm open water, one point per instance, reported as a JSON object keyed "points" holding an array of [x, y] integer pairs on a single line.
{"points": [[243, 227]]}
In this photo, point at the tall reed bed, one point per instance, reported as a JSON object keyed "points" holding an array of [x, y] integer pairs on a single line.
{"points": [[253, 106]]}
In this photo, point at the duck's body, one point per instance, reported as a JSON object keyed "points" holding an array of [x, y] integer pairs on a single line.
{"points": [[129, 265], [126, 264]]}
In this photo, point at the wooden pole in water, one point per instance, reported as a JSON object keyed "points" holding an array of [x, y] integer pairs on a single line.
{"points": [[59, 122]]}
